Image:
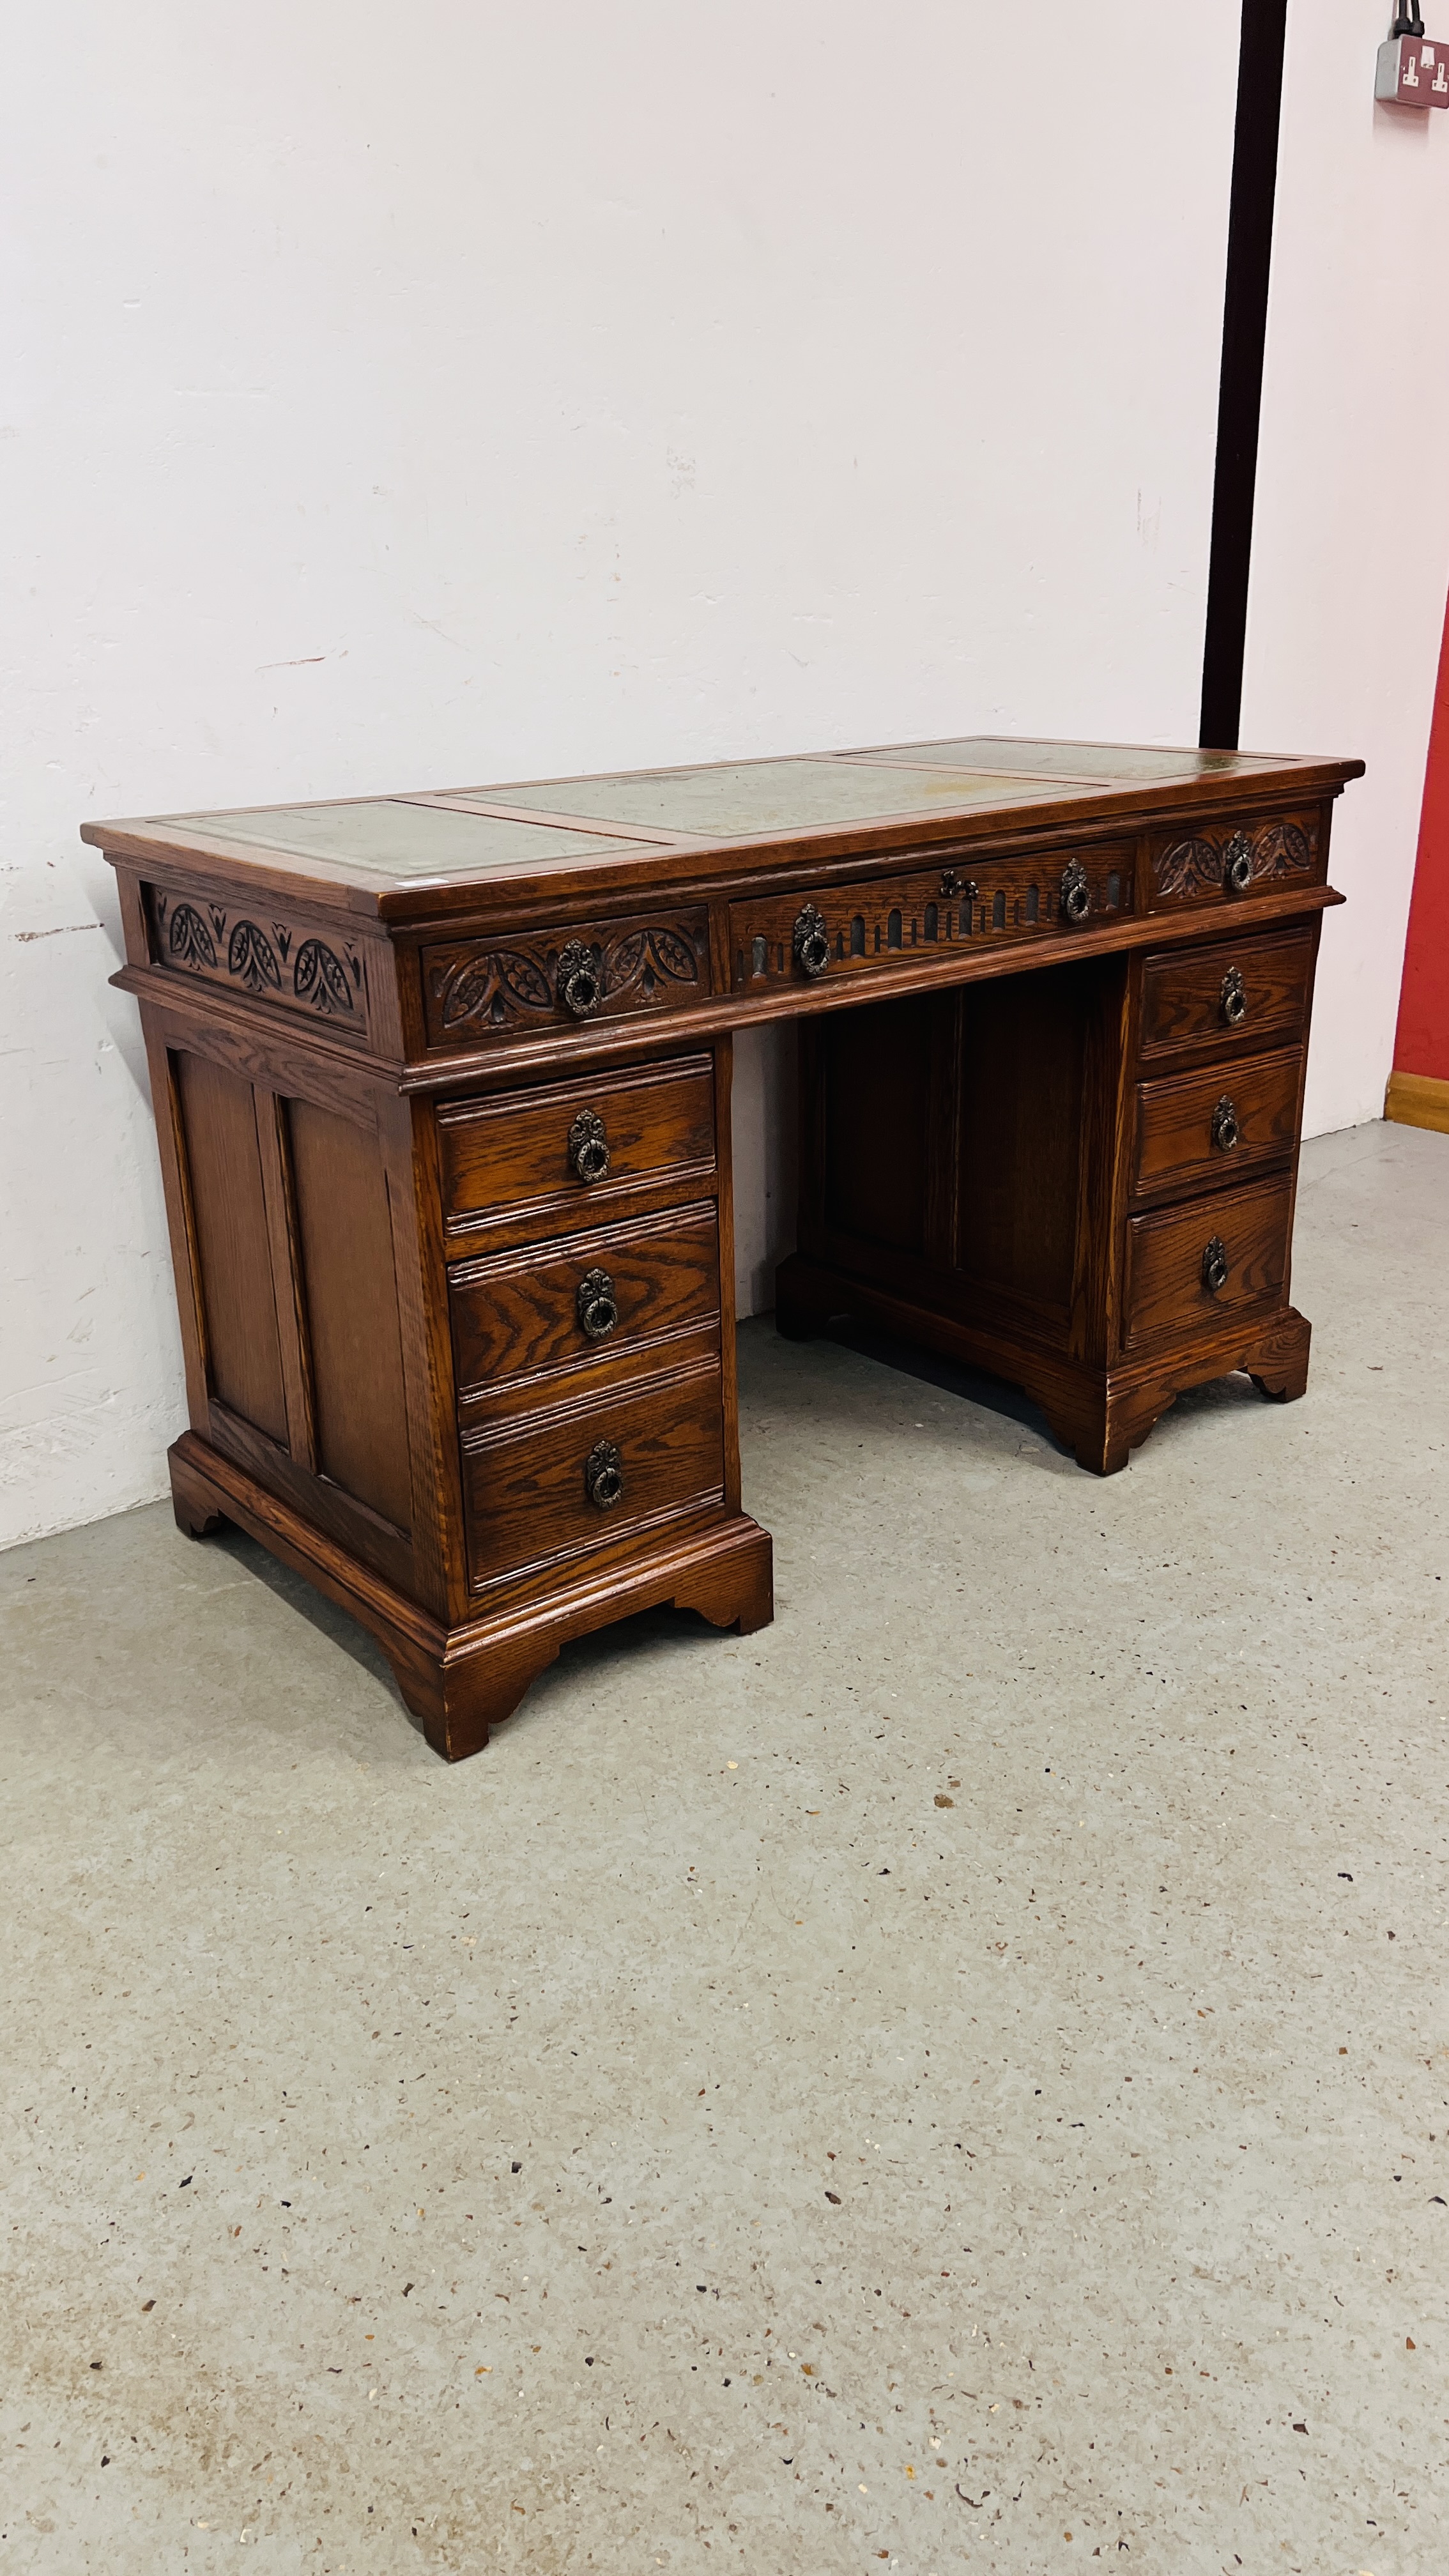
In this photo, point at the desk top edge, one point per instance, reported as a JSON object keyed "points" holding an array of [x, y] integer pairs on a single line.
{"points": [[569, 840]]}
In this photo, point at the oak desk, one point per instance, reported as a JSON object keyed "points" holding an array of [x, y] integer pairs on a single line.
{"points": [[443, 1093]]}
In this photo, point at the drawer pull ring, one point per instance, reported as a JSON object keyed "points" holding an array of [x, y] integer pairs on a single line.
{"points": [[589, 1147], [597, 1306], [1233, 1000], [1238, 863], [1215, 1265], [810, 941], [604, 1475], [1226, 1131], [1076, 891], [952, 882], [580, 979]]}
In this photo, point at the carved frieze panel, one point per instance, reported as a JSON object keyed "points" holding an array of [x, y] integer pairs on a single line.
{"points": [[474, 989], [315, 973], [1232, 858], [941, 912]]}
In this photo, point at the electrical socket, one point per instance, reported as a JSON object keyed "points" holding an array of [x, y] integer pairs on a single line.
{"points": [[1413, 71]]}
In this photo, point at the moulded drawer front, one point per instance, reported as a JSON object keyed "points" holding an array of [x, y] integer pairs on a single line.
{"points": [[1238, 988], [949, 909], [598, 1298], [573, 1153], [1225, 861], [1193, 1127], [1169, 1253], [506, 985], [584, 1477]]}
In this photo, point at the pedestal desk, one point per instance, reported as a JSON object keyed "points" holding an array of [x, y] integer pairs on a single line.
{"points": [[442, 1087]]}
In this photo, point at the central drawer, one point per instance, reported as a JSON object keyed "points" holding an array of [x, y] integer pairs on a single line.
{"points": [[572, 1482], [948, 908], [1198, 1127]]}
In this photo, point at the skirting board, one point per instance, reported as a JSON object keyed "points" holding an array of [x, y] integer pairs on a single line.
{"points": [[1418, 1100]]}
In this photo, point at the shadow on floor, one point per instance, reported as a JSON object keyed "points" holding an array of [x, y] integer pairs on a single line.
{"points": [[336, 1624], [596, 1652], [660, 1628], [1011, 1403]]}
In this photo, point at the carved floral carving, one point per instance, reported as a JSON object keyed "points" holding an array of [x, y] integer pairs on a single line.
{"points": [[319, 979], [498, 986], [252, 959], [1196, 864], [243, 953], [188, 939]]}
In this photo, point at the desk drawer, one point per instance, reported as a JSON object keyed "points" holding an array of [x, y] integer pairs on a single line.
{"points": [[587, 1475], [600, 1300], [1232, 860], [520, 1165], [517, 981], [1196, 1127], [1240, 1238], [950, 907], [1241, 989]]}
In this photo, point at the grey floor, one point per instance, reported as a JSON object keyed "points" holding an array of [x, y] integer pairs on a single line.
{"points": [[958, 2079]]}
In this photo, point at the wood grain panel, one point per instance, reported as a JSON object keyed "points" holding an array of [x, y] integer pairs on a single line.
{"points": [[1166, 1294], [527, 1501], [229, 1214], [374, 1541], [1175, 1121], [516, 1315], [1183, 995], [1023, 1059], [180, 1220], [874, 1069], [350, 1299], [505, 1160], [286, 1276], [408, 1141]]}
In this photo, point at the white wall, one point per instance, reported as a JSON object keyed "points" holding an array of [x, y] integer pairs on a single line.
{"points": [[1351, 541], [412, 395]]}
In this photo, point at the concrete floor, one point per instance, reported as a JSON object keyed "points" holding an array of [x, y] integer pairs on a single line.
{"points": [[701, 2140]]}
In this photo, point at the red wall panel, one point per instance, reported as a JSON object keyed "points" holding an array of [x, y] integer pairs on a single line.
{"points": [[1422, 1043]]}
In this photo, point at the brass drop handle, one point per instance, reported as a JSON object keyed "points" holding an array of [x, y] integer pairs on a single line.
{"points": [[1233, 999], [580, 980], [604, 1475], [596, 1305], [589, 1147], [1226, 1131], [810, 941], [1076, 892], [1238, 863], [1215, 1265]]}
